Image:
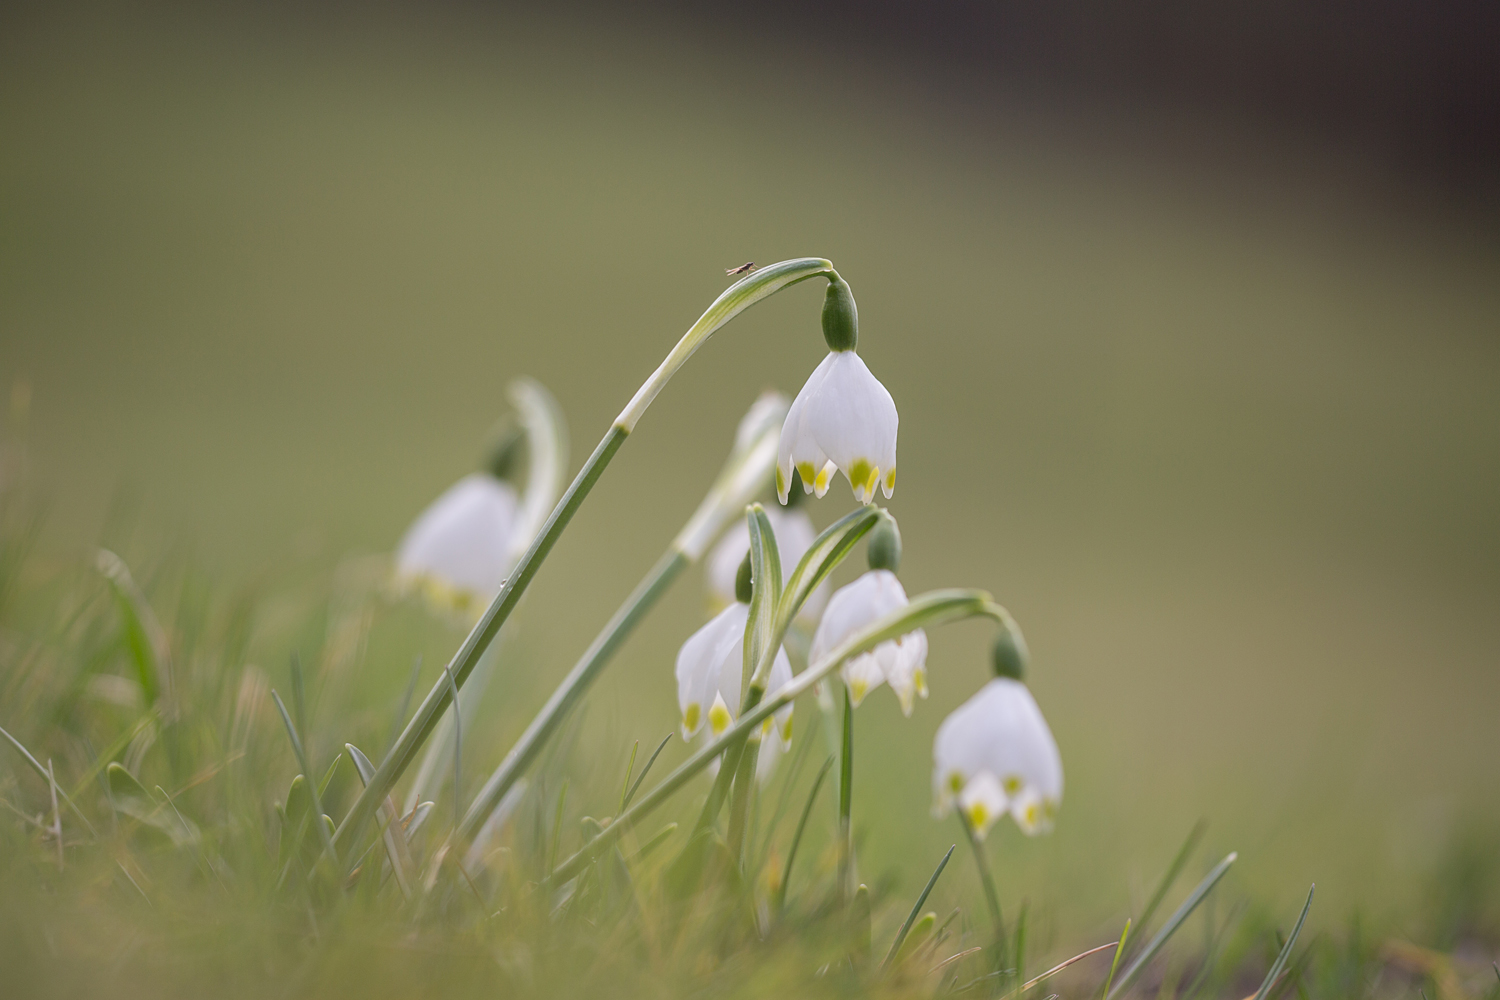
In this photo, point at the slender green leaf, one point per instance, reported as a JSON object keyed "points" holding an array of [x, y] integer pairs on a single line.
{"points": [[313, 791], [1115, 963], [130, 797], [1175, 921], [1286, 950], [42, 773], [791, 854], [644, 771], [916, 909], [765, 596], [1173, 870], [821, 559], [144, 638], [629, 768], [1061, 966]]}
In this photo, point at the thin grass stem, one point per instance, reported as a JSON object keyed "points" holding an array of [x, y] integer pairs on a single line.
{"points": [[916, 910], [791, 854]]}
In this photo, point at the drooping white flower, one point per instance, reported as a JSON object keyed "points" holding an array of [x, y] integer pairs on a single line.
{"points": [[460, 548], [709, 668], [794, 536], [995, 755], [843, 420], [900, 662]]}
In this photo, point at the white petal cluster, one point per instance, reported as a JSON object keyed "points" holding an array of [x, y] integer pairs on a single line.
{"points": [[794, 536], [709, 668], [460, 548], [995, 755], [899, 662], [843, 420]]}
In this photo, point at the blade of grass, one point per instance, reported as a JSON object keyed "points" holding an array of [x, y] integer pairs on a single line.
{"points": [[1020, 947], [991, 895], [791, 854], [1174, 922], [401, 709], [657, 839], [562, 798], [312, 787], [957, 956], [846, 796], [113, 750], [56, 815], [629, 769], [1061, 966], [1286, 949], [916, 910], [789, 782], [458, 749], [1115, 962], [392, 836], [644, 771], [42, 773], [1173, 870]]}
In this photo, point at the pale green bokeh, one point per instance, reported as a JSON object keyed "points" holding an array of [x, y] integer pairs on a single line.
{"points": [[1227, 445]]}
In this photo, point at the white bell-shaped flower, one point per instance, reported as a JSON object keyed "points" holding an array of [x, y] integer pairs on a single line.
{"points": [[900, 662], [709, 668], [794, 536], [459, 549], [995, 755], [843, 420]]}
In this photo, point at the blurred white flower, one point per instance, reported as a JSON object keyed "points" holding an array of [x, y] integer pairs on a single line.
{"points": [[995, 755], [794, 536], [900, 662], [844, 420], [709, 669], [461, 547]]}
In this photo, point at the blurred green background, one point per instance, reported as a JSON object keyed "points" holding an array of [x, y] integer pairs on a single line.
{"points": [[1223, 432]]}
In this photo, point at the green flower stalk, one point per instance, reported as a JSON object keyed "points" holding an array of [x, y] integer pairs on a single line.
{"points": [[746, 473], [734, 300], [938, 607]]}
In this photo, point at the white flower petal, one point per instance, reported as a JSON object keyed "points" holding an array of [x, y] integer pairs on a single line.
{"points": [[983, 802], [462, 541], [700, 663], [845, 418], [1001, 732], [904, 662], [797, 449], [863, 675], [899, 662]]}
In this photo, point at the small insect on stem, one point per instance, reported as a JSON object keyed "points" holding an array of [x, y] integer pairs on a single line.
{"points": [[744, 268]]}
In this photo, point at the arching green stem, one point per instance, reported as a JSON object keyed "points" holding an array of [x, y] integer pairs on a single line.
{"points": [[734, 300], [746, 473], [927, 610]]}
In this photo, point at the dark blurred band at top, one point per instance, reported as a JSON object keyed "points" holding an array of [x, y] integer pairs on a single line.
{"points": [[1411, 87]]}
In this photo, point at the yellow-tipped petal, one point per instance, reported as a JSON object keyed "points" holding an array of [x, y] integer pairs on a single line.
{"points": [[822, 480], [979, 819], [718, 717]]}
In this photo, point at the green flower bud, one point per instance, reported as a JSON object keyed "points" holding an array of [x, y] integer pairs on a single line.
{"points": [[840, 317], [883, 550], [1010, 655], [504, 458], [742, 583]]}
